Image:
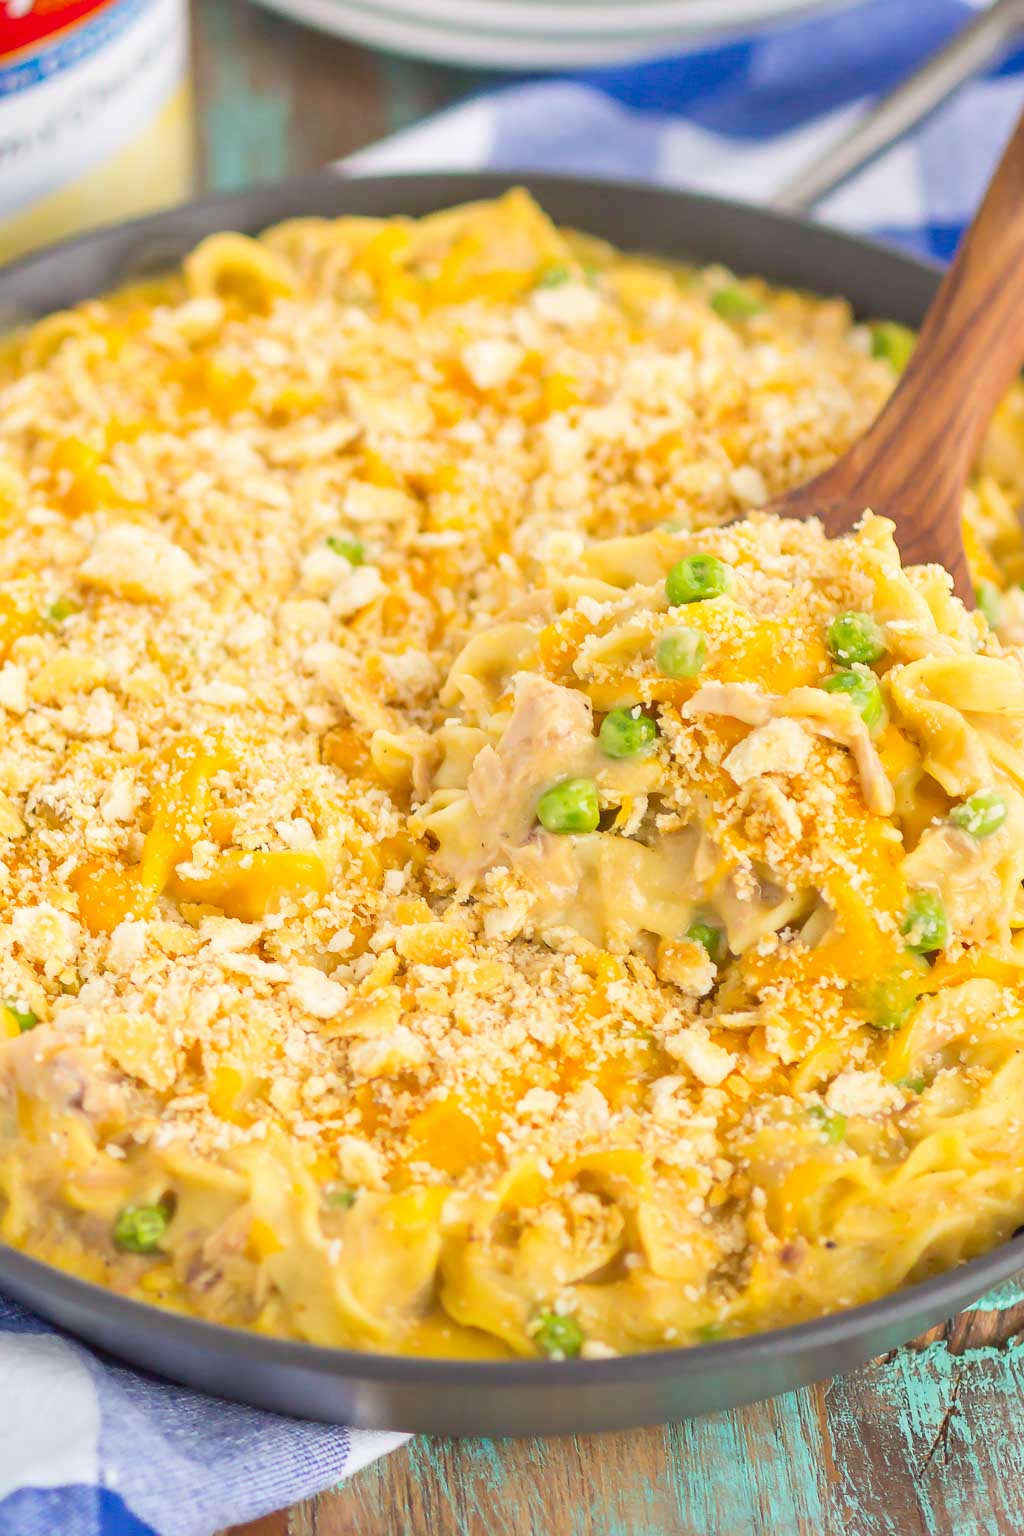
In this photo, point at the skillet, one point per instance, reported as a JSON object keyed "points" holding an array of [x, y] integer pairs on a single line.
{"points": [[456, 1397]]}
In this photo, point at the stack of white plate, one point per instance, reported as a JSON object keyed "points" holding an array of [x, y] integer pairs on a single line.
{"points": [[532, 34]]}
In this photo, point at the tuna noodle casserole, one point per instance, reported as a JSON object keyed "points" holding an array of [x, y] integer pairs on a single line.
{"points": [[463, 892]]}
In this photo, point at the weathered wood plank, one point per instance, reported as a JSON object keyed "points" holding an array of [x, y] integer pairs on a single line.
{"points": [[925, 1442], [273, 98], [270, 1525]]}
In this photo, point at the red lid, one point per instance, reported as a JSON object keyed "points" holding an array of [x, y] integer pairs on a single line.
{"points": [[24, 24]]}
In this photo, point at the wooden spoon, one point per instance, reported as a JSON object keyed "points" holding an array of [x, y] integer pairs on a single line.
{"points": [[913, 463]]}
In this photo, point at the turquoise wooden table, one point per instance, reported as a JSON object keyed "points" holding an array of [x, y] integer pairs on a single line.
{"points": [[926, 1442]]}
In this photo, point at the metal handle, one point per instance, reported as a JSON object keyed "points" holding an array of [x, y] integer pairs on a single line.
{"points": [[974, 46]]}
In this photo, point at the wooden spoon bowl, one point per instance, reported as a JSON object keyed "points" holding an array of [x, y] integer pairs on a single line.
{"points": [[913, 463]]}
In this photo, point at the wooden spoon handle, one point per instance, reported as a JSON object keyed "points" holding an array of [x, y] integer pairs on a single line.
{"points": [[913, 462], [971, 346]]}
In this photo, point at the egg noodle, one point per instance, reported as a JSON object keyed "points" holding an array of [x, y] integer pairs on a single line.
{"points": [[473, 883]]}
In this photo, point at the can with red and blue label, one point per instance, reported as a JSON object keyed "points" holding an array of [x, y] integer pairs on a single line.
{"points": [[95, 121]]}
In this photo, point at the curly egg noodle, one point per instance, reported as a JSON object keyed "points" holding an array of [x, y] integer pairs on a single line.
{"points": [[472, 883]]}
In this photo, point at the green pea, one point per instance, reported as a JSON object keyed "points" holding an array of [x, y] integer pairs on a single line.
{"points": [[924, 926], [554, 275], [893, 343], [890, 1001], [62, 609], [711, 1333], [989, 601], [855, 637], [354, 550], [710, 938], [864, 693], [341, 1198], [695, 578], [561, 1338], [571, 806], [680, 652], [980, 814], [625, 732], [912, 1084], [833, 1126], [139, 1228], [23, 1017], [735, 302]]}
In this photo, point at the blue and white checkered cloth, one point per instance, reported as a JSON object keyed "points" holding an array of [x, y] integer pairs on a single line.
{"points": [[741, 116], [91, 1449]]}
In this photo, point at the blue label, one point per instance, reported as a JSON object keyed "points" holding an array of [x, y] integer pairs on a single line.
{"points": [[56, 56]]}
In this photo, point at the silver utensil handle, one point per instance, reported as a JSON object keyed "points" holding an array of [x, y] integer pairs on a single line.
{"points": [[974, 46]]}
